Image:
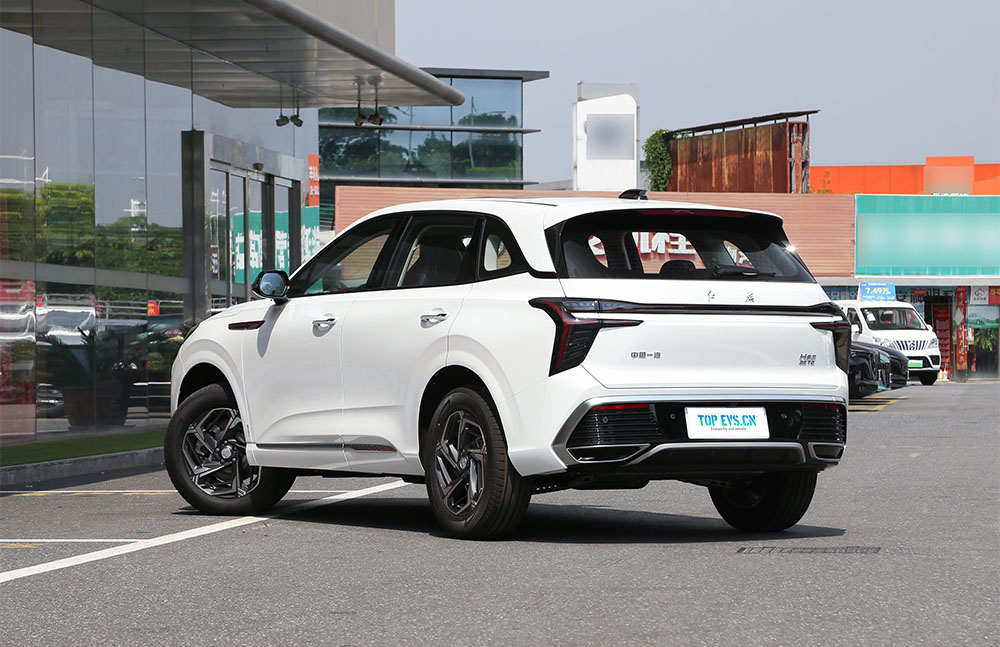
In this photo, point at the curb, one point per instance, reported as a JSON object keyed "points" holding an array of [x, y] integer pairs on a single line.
{"points": [[82, 466]]}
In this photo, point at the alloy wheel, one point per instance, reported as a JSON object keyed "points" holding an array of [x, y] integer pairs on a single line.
{"points": [[214, 450], [460, 462]]}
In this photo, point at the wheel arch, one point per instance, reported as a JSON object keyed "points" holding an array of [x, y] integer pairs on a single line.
{"points": [[443, 381], [201, 375]]}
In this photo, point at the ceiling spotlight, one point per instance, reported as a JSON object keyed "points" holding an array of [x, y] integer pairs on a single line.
{"points": [[282, 119], [375, 118], [295, 119], [360, 119]]}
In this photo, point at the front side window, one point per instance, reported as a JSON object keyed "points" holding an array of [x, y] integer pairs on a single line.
{"points": [[893, 319], [348, 264], [661, 244], [435, 250]]}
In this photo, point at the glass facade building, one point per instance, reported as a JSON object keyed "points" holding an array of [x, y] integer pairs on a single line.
{"points": [[131, 205], [476, 144]]}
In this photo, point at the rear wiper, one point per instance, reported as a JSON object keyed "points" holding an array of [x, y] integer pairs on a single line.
{"points": [[731, 270]]}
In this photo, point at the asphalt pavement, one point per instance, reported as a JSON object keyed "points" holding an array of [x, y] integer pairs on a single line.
{"points": [[901, 546]]}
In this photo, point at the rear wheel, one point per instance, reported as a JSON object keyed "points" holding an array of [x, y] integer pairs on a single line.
{"points": [[475, 492], [769, 503], [928, 378], [205, 455]]}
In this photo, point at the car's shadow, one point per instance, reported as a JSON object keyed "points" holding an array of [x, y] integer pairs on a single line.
{"points": [[555, 523]]}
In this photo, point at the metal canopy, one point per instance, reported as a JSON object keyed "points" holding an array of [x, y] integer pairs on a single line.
{"points": [[749, 121], [246, 53]]}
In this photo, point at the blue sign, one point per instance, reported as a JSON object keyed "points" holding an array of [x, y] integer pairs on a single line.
{"points": [[877, 291]]}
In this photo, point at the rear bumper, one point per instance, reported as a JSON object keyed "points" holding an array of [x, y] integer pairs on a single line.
{"points": [[807, 433]]}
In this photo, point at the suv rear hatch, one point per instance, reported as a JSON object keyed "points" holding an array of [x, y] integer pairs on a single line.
{"points": [[694, 299]]}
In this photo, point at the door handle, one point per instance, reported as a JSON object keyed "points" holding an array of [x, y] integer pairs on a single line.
{"points": [[329, 321], [433, 316]]}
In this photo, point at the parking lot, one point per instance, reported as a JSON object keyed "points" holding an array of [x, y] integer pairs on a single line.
{"points": [[901, 546]]}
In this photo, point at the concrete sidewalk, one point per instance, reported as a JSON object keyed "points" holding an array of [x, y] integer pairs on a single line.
{"points": [[18, 475]]}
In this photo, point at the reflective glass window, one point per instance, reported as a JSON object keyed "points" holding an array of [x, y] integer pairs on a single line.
{"points": [[237, 232], [417, 115], [64, 157], [349, 151], [415, 154], [120, 357], [255, 216], [435, 250], [168, 113], [281, 239], [17, 147], [488, 102], [119, 145], [494, 156], [218, 225]]}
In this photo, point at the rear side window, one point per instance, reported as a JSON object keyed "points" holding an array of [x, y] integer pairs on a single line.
{"points": [[684, 246], [499, 254]]}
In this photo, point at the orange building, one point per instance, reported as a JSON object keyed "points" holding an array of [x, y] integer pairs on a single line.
{"points": [[936, 175]]}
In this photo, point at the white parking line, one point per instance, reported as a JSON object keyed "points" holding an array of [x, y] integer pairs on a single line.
{"points": [[143, 544], [69, 541], [142, 491]]}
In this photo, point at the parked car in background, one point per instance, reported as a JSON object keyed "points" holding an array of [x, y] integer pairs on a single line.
{"points": [[896, 324], [898, 363], [499, 348], [869, 370]]}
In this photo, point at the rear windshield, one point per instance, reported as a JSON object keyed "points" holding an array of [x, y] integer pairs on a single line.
{"points": [[893, 319], [679, 246]]}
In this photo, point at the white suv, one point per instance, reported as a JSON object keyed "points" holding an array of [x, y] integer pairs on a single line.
{"points": [[498, 348]]}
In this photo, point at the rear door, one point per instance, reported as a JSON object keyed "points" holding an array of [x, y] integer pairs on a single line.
{"points": [[722, 300], [396, 338]]}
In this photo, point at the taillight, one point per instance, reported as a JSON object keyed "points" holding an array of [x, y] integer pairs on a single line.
{"points": [[574, 336], [841, 330]]}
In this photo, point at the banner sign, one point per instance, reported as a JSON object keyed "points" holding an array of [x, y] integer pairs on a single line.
{"points": [[312, 199], [994, 296], [942, 328], [877, 291], [961, 342]]}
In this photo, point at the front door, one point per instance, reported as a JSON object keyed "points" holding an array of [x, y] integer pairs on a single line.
{"points": [[292, 363]]}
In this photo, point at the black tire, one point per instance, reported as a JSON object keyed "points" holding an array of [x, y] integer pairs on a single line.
{"points": [[769, 503], [464, 447], [928, 378], [252, 490]]}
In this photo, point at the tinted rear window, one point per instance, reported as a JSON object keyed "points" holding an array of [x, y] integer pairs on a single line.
{"points": [[678, 246]]}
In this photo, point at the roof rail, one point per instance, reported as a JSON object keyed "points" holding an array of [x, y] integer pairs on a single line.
{"points": [[633, 194]]}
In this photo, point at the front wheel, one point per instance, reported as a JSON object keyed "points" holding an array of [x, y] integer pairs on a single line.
{"points": [[205, 455], [928, 378], [769, 503], [475, 492]]}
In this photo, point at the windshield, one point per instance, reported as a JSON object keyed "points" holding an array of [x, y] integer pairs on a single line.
{"points": [[664, 244], [893, 319]]}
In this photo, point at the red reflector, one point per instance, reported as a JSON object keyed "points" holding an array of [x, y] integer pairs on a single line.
{"points": [[818, 405], [605, 407]]}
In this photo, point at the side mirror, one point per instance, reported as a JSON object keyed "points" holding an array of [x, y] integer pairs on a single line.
{"points": [[271, 284]]}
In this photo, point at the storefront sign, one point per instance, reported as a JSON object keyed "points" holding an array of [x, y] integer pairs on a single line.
{"points": [[313, 198], [961, 337], [994, 296], [942, 328], [979, 295], [918, 292], [877, 291]]}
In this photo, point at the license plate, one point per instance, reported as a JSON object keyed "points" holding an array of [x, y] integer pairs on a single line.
{"points": [[726, 423], [916, 363]]}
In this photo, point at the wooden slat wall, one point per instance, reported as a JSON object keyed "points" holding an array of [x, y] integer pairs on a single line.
{"points": [[749, 160], [821, 226]]}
